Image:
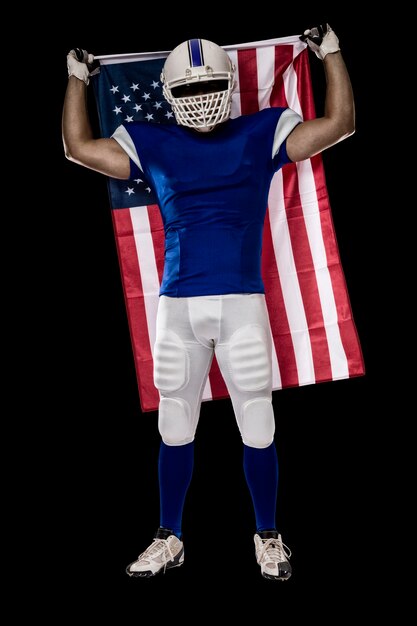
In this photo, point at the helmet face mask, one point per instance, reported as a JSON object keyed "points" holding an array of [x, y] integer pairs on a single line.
{"points": [[198, 83]]}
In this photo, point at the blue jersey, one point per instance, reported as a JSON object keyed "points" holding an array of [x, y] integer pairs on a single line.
{"points": [[212, 190]]}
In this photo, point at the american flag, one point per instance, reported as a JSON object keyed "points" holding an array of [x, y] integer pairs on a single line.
{"points": [[314, 334]]}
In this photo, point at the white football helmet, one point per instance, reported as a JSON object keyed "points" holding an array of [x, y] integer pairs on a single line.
{"points": [[197, 81]]}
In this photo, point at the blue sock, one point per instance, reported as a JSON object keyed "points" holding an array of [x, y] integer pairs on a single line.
{"points": [[261, 472], [175, 471]]}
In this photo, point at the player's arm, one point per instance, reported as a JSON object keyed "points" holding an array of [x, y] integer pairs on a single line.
{"points": [[102, 155], [338, 122]]}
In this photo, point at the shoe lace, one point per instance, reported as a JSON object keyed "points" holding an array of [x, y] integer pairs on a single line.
{"points": [[158, 547], [275, 550]]}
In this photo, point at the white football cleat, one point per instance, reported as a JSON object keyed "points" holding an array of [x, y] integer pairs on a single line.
{"points": [[166, 551], [272, 555]]}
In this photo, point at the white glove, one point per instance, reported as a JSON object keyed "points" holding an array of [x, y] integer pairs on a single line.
{"points": [[321, 39], [79, 64]]}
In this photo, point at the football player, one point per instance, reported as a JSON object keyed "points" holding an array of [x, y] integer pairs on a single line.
{"points": [[211, 175]]}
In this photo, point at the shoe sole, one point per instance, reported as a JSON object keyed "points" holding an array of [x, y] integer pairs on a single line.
{"points": [[177, 562], [269, 577]]}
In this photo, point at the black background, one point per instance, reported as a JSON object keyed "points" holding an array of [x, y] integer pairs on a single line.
{"points": [[101, 497]]}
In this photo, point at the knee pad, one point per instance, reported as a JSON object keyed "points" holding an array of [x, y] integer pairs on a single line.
{"points": [[174, 421], [257, 423], [171, 362], [250, 358]]}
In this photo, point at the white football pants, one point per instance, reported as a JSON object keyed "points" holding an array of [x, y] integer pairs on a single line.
{"points": [[190, 331]]}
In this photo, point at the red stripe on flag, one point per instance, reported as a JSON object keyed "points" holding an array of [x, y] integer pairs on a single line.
{"points": [[299, 241], [158, 237], [304, 85], [283, 59], [248, 81], [135, 306], [348, 332], [217, 384]]}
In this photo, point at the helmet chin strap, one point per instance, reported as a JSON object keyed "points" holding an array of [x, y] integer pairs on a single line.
{"points": [[205, 129]]}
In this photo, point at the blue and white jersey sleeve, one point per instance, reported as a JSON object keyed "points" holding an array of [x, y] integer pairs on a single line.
{"points": [[288, 120], [126, 142]]}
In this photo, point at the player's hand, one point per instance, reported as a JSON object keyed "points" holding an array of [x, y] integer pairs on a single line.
{"points": [[321, 39], [81, 64]]}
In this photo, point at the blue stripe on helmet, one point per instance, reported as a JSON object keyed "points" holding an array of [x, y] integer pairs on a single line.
{"points": [[196, 52]]}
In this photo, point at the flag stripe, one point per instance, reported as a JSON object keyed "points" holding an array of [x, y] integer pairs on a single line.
{"points": [[132, 287], [248, 80], [305, 94], [283, 60], [266, 75]]}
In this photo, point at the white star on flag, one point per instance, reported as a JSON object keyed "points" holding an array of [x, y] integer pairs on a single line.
{"points": [[129, 118], [138, 107], [117, 110], [158, 105], [154, 84], [134, 86], [130, 190], [149, 117], [146, 96], [169, 114], [126, 98], [114, 89]]}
